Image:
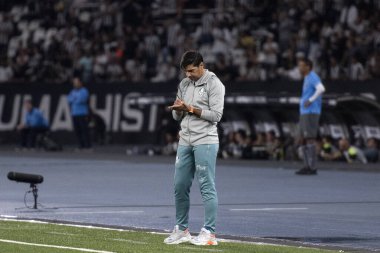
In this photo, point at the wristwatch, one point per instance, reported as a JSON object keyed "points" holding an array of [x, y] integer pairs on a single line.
{"points": [[191, 110]]}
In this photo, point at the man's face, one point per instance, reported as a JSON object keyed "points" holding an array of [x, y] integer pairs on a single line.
{"points": [[28, 106], [303, 68], [194, 72], [76, 83]]}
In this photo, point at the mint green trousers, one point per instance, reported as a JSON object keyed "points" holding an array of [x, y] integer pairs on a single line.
{"points": [[200, 161]]}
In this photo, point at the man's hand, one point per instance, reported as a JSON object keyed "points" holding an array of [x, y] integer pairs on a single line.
{"points": [[307, 103], [179, 106]]}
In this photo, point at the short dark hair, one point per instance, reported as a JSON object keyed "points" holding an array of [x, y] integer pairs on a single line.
{"points": [[191, 57], [308, 63]]}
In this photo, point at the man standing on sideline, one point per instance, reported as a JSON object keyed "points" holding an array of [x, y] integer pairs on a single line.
{"points": [[310, 111], [33, 125], [78, 101], [199, 107]]}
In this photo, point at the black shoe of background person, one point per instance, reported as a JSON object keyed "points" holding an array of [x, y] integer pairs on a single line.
{"points": [[306, 171]]}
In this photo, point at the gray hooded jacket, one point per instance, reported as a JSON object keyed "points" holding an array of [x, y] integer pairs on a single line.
{"points": [[207, 93]]}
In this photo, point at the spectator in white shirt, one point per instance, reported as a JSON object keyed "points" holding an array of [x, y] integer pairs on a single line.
{"points": [[114, 71], [349, 14], [359, 25], [335, 71], [270, 48], [6, 73], [356, 70]]}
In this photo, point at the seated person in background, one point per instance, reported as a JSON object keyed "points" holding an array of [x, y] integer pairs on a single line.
{"points": [[171, 144], [228, 145], [236, 144], [328, 150], [274, 146], [351, 153], [371, 151], [33, 125], [260, 139], [259, 147]]}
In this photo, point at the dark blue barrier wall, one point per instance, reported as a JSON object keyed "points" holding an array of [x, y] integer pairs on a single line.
{"points": [[136, 112]]}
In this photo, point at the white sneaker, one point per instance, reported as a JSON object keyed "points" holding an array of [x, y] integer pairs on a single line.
{"points": [[178, 236], [205, 237]]}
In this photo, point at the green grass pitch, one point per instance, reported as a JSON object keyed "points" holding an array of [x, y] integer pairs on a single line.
{"points": [[27, 237]]}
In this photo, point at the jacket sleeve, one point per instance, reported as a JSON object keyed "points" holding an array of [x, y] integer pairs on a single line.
{"points": [[176, 116], [216, 102], [70, 98]]}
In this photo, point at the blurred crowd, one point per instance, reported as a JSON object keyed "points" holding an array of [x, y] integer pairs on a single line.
{"points": [[269, 146], [135, 41]]}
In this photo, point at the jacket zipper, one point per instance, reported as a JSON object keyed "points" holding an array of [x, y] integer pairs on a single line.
{"points": [[188, 120]]}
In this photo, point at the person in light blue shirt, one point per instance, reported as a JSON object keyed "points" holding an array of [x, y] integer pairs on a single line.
{"points": [[33, 124], [78, 101], [310, 111]]}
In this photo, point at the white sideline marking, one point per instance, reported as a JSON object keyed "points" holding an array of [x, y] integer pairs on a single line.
{"points": [[60, 233], [160, 233], [8, 216], [248, 242], [128, 230], [126, 240], [66, 224], [270, 209], [100, 212], [202, 249], [55, 246]]}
